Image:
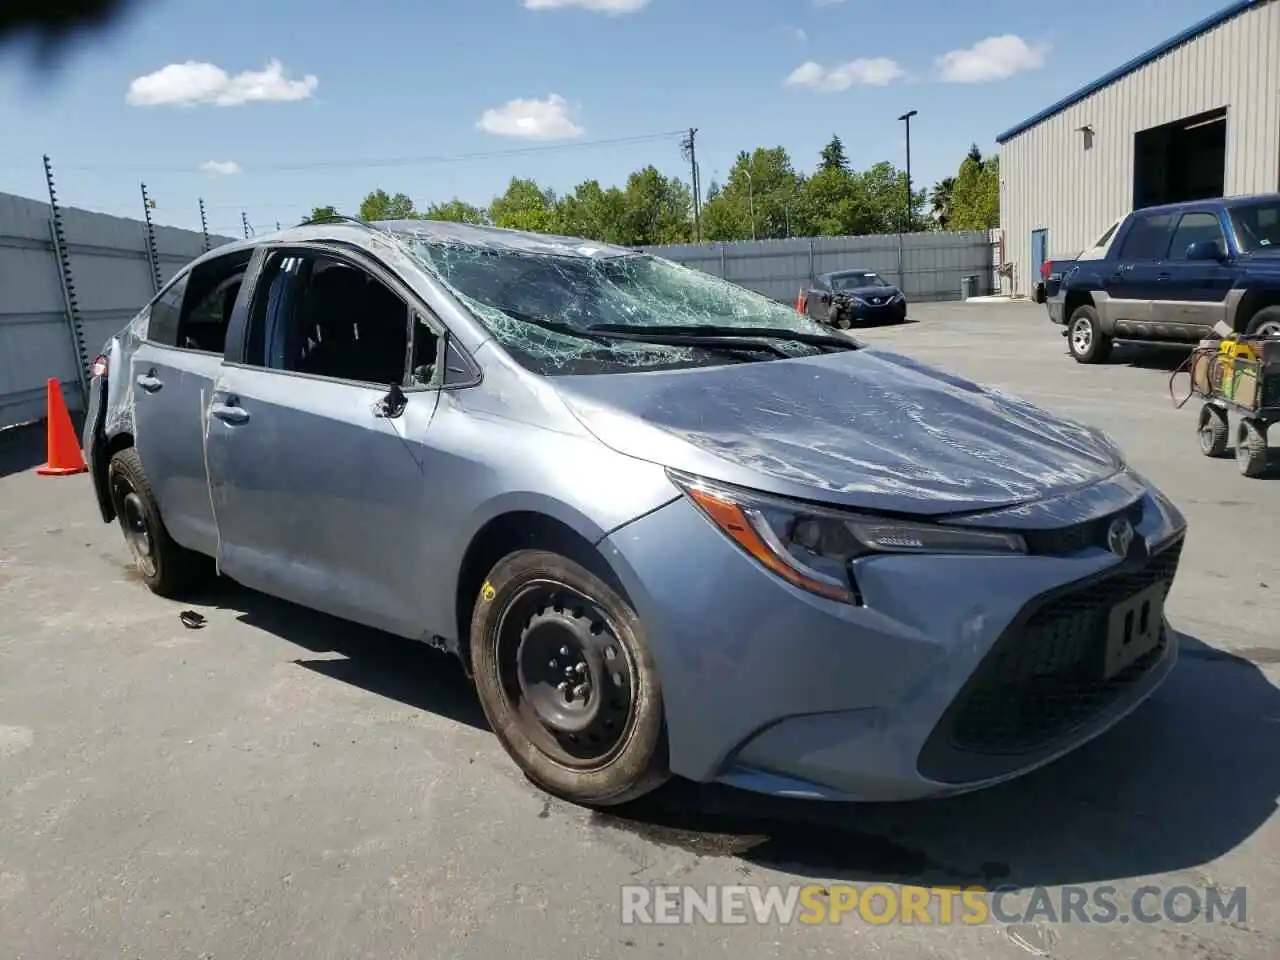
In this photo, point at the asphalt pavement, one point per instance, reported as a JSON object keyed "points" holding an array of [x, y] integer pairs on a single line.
{"points": [[280, 784]]}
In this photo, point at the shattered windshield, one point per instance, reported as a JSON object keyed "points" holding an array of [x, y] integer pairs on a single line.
{"points": [[522, 297]]}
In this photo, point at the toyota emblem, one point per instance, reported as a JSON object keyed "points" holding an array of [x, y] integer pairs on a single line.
{"points": [[1120, 537]]}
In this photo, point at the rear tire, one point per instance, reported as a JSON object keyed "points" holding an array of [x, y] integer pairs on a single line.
{"points": [[567, 681], [169, 570], [1085, 340], [1264, 323]]}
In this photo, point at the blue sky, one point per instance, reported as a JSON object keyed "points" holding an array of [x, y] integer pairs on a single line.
{"points": [[276, 107]]}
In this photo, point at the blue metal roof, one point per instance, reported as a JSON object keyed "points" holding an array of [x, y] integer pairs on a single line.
{"points": [[1137, 63]]}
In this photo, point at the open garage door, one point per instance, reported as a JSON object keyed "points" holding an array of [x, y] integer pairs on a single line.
{"points": [[1183, 160]]}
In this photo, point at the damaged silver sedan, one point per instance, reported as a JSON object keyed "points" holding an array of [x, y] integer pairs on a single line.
{"points": [[668, 525]]}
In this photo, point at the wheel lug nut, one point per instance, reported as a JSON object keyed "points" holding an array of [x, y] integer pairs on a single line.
{"points": [[554, 665], [564, 651], [581, 690], [581, 668]]}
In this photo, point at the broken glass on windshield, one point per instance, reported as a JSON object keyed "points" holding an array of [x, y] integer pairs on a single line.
{"points": [[543, 306]]}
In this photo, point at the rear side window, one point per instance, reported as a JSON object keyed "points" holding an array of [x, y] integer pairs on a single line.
{"points": [[1106, 237], [1194, 228], [195, 311], [1148, 237]]}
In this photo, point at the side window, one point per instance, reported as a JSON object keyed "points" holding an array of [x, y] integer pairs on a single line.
{"points": [[1148, 237], [319, 315], [194, 313], [1193, 228], [1102, 240], [162, 328]]}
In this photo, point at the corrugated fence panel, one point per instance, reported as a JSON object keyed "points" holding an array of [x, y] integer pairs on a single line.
{"points": [[112, 279], [927, 266]]}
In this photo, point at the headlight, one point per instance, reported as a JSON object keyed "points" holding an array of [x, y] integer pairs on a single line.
{"points": [[812, 547]]}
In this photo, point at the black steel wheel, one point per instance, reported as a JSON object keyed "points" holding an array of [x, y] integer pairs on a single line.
{"points": [[842, 321], [1213, 431], [167, 568], [566, 680], [1251, 447]]}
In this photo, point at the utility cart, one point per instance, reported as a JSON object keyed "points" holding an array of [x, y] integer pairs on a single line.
{"points": [[1237, 375]]}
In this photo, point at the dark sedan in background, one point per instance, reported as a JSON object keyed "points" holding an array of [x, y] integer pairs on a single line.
{"points": [[850, 297]]}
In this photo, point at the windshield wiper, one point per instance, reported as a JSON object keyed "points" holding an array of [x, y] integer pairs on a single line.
{"points": [[727, 342], [716, 333]]}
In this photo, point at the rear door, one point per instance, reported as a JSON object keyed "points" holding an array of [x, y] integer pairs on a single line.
{"points": [[171, 376], [1194, 292], [319, 485], [1134, 280]]}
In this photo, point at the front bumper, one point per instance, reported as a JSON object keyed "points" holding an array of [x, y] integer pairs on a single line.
{"points": [[892, 312], [771, 689]]}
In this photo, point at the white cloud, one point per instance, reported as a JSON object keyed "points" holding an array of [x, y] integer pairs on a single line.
{"points": [[532, 119], [874, 72], [612, 7], [801, 35], [220, 168], [190, 83], [995, 58]]}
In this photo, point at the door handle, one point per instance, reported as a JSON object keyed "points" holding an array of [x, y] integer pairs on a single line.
{"points": [[149, 382], [1163, 276], [228, 413]]}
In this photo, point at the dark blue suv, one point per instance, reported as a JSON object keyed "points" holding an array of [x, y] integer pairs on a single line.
{"points": [[1171, 273]]}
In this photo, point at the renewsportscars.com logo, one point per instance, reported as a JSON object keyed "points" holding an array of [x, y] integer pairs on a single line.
{"points": [[936, 906]]}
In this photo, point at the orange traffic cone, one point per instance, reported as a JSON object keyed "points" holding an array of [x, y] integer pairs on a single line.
{"points": [[65, 457], [800, 302]]}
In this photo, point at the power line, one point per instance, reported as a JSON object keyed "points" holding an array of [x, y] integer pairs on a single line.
{"points": [[371, 164]]}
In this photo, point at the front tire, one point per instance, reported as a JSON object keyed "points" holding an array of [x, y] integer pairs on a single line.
{"points": [[169, 570], [1085, 340], [567, 681], [1213, 431], [1251, 448]]}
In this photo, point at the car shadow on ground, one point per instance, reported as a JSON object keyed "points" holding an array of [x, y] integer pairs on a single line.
{"points": [[1185, 779], [388, 666], [1151, 356]]}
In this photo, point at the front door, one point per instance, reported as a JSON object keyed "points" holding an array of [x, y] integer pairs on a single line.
{"points": [[172, 373], [1194, 292], [320, 485]]}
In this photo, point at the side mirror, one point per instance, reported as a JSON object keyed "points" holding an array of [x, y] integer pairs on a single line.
{"points": [[1206, 250]]}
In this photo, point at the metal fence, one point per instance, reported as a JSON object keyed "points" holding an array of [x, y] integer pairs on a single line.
{"points": [[67, 283], [69, 279], [925, 266]]}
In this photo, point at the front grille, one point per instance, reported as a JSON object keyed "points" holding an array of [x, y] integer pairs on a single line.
{"points": [[1043, 679], [1072, 539]]}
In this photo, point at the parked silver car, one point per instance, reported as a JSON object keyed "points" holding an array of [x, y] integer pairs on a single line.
{"points": [[669, 525]]}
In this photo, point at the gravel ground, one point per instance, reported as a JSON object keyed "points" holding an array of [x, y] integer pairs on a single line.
{"points": [[282, 784]]}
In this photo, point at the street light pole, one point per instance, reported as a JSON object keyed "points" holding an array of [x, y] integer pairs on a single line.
{"points": [[751, 201], [906, 118]]}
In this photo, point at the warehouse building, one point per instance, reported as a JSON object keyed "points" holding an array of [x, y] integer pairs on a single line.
{"points": [[1196, 117]]}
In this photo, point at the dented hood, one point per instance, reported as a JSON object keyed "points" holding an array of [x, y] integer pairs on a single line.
{"points": [[863, 429]]}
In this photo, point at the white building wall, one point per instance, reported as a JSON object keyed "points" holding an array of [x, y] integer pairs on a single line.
{"points": [[1049, 180]]}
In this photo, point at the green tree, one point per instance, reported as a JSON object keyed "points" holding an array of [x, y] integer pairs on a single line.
{"points": [[833, 156], [655, 209], [940, 198], [763, 197], [319, 213], [456, 211], [592, 212], [525, 206], [381, 206], [975, 200]]}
